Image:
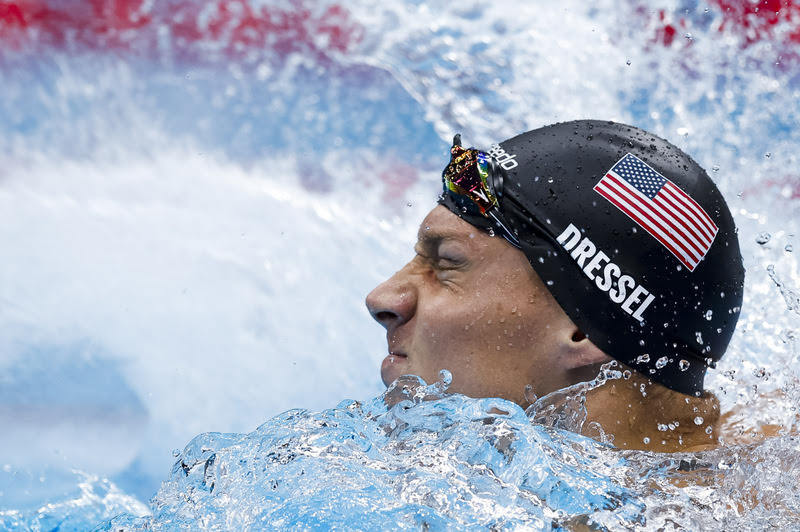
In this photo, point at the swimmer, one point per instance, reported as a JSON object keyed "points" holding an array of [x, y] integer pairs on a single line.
{"points": [[560, 250]]}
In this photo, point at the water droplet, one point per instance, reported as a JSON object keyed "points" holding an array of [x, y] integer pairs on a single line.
{"points": [[176, 453], [688, 36], [491, 231], [709, 313], [550, 283], [662, 427], [646, 440], [530, 396], [641, 343], [628, 62], [763, 238], [409, 204], [661, 362], [715, 168], [683, 364], [767, 155], [699, 337], [549, 179], [788, 248], [698, 420], [709, 430], [626, 374], [643, 359]]}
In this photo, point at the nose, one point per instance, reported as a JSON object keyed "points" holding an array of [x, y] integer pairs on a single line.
{"points": [[393, 302]]}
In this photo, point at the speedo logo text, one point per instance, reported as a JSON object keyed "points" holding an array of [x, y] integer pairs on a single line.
{"points": [[505, 159]]}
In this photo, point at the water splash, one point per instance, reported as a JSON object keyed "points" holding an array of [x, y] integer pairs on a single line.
{"points": [[436, 461], [566, 408], [427, 460], [71, 501], [791, 297]]}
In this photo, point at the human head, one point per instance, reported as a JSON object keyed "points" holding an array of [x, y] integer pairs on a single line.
{"points": [[630, 236], [470, 303], [635, 285]]}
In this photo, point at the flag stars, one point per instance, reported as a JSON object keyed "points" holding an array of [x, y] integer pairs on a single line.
{"points": [[639, 175]]}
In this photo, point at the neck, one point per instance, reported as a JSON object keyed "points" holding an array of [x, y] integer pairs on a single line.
{"points": [[644, 415]]}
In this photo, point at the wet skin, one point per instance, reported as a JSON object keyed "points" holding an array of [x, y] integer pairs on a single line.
{"points": [[471, 303]]}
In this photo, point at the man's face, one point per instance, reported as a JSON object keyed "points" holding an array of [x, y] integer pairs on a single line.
{"points": [[470, 303]]}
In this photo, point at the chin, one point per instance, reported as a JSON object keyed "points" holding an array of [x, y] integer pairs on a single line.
{"points": [[392, 367]]}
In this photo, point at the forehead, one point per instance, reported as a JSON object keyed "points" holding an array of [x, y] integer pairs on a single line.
{"points": [[442, 224]]}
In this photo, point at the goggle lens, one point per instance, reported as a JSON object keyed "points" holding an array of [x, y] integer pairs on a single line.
{"points": [[469, 174]]}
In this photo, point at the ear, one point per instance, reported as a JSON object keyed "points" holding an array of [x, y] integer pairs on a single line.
{"points": [[578, 351]]}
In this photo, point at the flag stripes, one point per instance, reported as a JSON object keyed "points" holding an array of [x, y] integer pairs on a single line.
{"points": [[662, 209]]}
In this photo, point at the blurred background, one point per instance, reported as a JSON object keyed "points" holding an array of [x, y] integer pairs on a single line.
{"points": [[195, 197]]}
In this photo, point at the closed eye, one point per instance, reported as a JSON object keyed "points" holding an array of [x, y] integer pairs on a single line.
{"points": [[446, 263], [441, 253], [450, 254]]}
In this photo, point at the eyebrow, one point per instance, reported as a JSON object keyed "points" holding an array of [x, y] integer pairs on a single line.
{"points": [[432, 237]]}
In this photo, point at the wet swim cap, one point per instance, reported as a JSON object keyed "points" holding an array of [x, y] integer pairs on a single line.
{"points": [[631, 237]]}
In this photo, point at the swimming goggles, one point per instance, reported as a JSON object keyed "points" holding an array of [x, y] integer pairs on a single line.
{"points": [[476, 176]]}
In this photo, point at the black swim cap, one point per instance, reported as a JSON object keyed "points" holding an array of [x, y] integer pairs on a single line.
{"points": [[630, 236]]}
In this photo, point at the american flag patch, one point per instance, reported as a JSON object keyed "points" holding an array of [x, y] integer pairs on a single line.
{"points": [[659, 207]]}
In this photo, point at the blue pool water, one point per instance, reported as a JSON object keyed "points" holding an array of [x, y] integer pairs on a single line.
{"points": [[189, 224]]}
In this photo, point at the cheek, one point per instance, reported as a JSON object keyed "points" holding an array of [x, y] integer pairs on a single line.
{"points": [[519, 316], [500, 317], [460, 325], [484, 329], [512, 328]]}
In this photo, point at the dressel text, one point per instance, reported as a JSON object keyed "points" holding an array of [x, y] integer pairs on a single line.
{"points": [[607, 276]]}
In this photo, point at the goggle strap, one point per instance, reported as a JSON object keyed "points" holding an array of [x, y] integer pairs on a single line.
{"points": [[507, 233]]}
